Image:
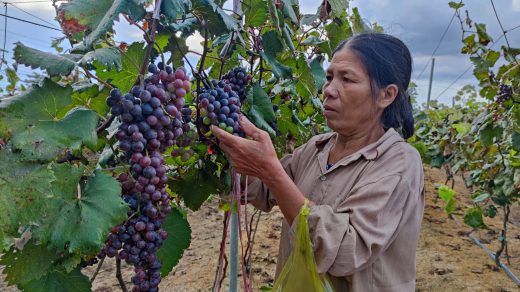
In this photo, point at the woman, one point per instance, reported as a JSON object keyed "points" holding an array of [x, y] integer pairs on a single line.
{"points": [[364, 182]]}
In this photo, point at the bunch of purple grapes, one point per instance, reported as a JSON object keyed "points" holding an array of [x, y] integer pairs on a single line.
{"points": [[238, 80], [504, 93], [152, 119], [220, 107]]}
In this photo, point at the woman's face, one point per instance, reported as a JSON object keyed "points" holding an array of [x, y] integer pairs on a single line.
{"points": [[347, 96]]}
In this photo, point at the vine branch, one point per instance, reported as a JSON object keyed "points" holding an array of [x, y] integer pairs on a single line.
{"points": [[106, 124], [96, 78], [97, 270], [119, 275]]}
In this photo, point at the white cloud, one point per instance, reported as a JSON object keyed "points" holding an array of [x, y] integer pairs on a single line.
{"points": [[516, 5], [193, 42]]}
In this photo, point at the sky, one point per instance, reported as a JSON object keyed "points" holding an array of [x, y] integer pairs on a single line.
{"points": [[419, 23]]}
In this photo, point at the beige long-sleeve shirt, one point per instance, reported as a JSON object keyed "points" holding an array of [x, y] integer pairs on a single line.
{"points": [[365, 227]]}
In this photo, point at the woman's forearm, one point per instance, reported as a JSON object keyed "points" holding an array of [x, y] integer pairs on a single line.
{"points": [[288, 197]]}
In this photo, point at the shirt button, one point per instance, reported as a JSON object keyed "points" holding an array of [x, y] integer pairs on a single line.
{"points": [[323, 178]]}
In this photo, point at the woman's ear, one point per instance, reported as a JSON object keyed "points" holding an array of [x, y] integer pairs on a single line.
{"points": [[387, 96]]}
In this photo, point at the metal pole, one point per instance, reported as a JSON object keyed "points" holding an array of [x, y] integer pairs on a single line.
{"points": [[430, 87], [233, 253], [453, 102]]}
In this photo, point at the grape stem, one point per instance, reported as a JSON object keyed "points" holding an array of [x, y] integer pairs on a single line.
{"points": [[106, 124], [117, 157], [68, 158], [149, 47], [162, 106], [261, 71], [119, 275], [148, 39], [94, 77], [97, 270], [205, 50], [183, 55]]}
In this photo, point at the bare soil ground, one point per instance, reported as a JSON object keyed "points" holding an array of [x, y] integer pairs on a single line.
{"points": [[447, 259]]}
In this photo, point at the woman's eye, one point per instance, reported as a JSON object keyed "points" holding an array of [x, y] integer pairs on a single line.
{"points": [[329, 78], [346, 79]]}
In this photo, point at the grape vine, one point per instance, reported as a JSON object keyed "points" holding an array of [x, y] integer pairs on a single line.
{"points": [[101, 157], [477, 139]]}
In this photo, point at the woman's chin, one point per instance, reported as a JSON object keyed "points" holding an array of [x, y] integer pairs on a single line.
{"points": [[330, 123]]}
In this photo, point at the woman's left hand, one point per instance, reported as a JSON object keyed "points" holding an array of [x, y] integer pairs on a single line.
{"points": [[255, 157]]}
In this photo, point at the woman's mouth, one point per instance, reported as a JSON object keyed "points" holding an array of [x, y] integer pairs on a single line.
{"points": [[328, 110]]}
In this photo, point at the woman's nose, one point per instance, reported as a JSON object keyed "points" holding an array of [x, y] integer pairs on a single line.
{"points": [[330, 90]]}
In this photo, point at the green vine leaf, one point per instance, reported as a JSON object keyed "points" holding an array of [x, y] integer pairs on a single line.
{"points": [[32, 118], [474, 218], [24, 188], [29, 263], [257, 15], [55, 64], [176, 57], [309, 19], [337, 34], [261, 110], [171, 9], [272, 47], [288, 11], [89, 97], [483, 36], [100, 17], [179, 238], [515, 141], [455, 5], [337, 7], [195, 186], [125, 79], [487, 133], [306, 86], [318, 73], [58, 280], [81, 220], [219, 21], [285, 122]]}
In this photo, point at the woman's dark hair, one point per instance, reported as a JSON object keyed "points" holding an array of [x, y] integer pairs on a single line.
{"points": [[387, 61]]}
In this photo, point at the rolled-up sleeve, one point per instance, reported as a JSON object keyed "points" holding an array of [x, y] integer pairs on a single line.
{"points": [[364, 225]]}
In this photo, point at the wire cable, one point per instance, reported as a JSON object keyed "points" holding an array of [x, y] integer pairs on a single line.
{"points": [[453, 82], [31, 14], [7, 16], [436, 47], [5, 38], [25, 2], [48, 42], [505, 32]]}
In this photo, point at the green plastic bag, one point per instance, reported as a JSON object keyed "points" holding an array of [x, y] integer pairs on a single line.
{"points": [[300, 273]]}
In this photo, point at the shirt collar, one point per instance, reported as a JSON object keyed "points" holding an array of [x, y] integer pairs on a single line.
{"points": [[369, 152]]}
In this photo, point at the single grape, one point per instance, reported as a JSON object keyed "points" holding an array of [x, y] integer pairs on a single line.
{"points": [[137, 136], [152, 68], [145, 96]]}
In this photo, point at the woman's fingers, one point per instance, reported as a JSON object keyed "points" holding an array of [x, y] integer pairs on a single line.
{"points": [[250, 129], [222, 135]]}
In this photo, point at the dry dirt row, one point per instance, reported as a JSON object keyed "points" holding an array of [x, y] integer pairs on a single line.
{"points": [[447, 259]]}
